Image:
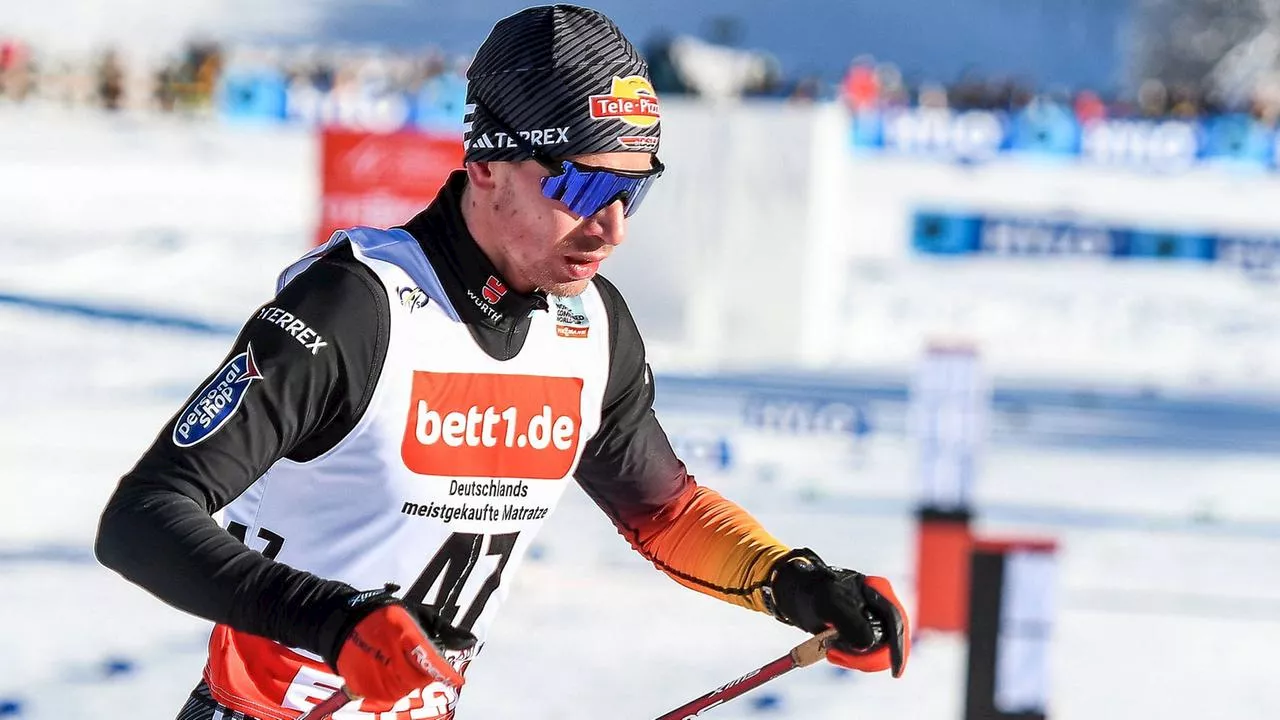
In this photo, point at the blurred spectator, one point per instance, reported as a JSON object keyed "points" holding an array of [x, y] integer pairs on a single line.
{"points": [[110, 80], [1019, 95], [15, 70], [933, 95], [165, 88], [1153, 99], [970, 93], [806, 90], [861, 87], [1184, 102], [893, 89], [1265, 106], [207, 61], [1089, 107]]}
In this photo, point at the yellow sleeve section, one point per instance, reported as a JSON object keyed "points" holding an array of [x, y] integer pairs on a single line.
{"points": [[708, 543]]}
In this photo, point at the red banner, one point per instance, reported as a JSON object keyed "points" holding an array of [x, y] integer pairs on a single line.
{"points": [[381, 180]]}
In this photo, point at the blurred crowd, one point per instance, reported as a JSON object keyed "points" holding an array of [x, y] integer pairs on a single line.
{"points": [[108, 79], [359, 69], [188, 80], [869, 85]]}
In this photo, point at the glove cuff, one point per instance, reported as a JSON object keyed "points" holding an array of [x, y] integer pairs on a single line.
{"points": [[348, 612], [790, 583]]}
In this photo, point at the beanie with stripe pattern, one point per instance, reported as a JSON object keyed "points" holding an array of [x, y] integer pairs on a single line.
{"points": [[567, 80]]}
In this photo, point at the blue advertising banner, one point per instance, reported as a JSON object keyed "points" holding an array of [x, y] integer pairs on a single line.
{"points": [[955, 234], [265, 96], [440, 104], [252, 96], [1045, 130]]}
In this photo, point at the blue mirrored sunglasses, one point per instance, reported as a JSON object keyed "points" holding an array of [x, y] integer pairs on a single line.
{"points": [[587, 190], [584, 189]]}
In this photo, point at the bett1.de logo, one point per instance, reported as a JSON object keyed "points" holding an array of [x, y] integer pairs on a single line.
{"points": [[491, 425]]}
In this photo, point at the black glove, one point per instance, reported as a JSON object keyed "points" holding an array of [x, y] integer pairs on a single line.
{"points": [[872, 627]]}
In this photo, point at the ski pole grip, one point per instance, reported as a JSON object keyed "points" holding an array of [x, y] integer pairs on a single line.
{"points": [[814, 649]]}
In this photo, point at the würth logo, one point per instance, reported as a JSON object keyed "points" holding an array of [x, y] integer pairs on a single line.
{"points": [[492, 426], [493, 290]]}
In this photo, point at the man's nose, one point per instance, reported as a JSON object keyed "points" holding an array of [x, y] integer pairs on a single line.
{"points": [[609, 223]]}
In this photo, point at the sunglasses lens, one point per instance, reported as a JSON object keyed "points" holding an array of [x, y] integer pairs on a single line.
{"points": [[636, 196], [553, 186], [598, 190], [585, 193]]}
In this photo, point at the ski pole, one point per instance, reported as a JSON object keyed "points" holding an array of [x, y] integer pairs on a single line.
{"points": [[803, 655], [330, 705]]}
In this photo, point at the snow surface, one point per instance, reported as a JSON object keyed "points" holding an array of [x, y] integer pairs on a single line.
{"points": [[1171, 612]]}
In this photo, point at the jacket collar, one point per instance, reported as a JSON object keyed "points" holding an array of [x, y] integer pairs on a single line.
{"points": [[474, 286]]}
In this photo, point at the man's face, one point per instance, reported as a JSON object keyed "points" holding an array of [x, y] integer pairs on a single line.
{"points": [[544, 245]]}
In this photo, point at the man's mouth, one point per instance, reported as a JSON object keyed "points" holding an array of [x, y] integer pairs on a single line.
{"points": [[583, 266]]}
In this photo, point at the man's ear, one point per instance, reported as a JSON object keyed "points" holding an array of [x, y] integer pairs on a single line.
{"points": [[480, 175]]}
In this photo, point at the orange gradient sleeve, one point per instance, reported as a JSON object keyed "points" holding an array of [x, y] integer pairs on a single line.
{"points": [[707, 543], [702, 540]]}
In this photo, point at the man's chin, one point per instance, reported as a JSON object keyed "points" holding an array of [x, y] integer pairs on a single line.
{"points": [[568, 289]]}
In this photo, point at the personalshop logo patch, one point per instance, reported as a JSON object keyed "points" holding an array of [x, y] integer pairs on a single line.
{"points": [[489, 425], [217, 401]]}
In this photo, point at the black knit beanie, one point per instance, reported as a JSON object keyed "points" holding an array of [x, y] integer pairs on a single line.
{"points": [[567, 80]]}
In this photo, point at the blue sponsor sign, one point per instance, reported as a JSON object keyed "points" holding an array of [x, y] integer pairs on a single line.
{"points": [[1239, 141], [254, 96], [805, 416], [1251, 254], [966, 136], [950, 233], [1045, 129], [946, 234], [1165, 146], [1172, 245], [1037, 236], [1048, 130], [439, 105], [265, 95]]}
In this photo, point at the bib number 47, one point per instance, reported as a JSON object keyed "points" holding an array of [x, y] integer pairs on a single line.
{"points": [[450, 569]]}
